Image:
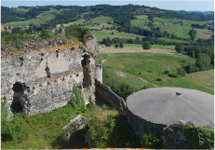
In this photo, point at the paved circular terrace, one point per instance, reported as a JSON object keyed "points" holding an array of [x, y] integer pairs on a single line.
{"points": [[166, 105]]}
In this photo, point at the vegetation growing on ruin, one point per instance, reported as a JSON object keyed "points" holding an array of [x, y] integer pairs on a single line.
{"points": [[201, 137], [17, 38], [108, 128]]}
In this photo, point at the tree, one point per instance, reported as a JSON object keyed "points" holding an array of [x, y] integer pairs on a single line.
{"points": [[192, 34], [146, 45], [44, 34], [178, 48], [203, 60], [116, 46], [121, 44]]}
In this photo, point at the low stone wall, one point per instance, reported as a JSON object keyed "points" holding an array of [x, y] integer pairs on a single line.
{"points": [[106, 95], [141, 126]]}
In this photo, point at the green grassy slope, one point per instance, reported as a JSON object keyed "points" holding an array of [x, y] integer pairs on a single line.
{"points": [[139, 69]]}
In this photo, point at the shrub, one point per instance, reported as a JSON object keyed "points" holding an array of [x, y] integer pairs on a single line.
{"points": [[116, 46], [159, 79], [151, 141], [76, 31], [76, 101], [44, 34], [181, 71], [166, 72], [201, 137], [172, 75]]}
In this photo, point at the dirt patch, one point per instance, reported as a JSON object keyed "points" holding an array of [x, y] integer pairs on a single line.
{"points": [[142, 17], [121, 74], [203, 34], [103, 61], [129, 49]]}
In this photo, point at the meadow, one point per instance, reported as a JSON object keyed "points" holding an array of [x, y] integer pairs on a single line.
{"points": [[108, 33], [40, 19], [147, 69]]}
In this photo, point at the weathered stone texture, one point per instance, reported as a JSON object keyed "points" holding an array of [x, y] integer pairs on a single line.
{"points": [[173, 136], [106, 95], [141, 126], [45, 74]]}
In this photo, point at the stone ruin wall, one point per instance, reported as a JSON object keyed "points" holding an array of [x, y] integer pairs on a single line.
{"points": [[106, 95], [40, 77]]}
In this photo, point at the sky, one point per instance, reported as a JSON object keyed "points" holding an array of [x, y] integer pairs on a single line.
{"points": [[191, 5]]}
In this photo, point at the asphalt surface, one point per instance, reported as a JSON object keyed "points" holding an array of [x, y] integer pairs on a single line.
{"points": [[163, 106]]}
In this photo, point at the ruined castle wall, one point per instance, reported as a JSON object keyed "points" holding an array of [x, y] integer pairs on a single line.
{"points": [[99, 73], [41, 78], [106, 95]]}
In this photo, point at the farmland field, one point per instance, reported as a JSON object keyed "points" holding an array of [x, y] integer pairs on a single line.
{"points": [[171, 47], [41, 19], [203, 34], [140, 23], [173, 40], [108, 33], [202, 78], [129, 48]]}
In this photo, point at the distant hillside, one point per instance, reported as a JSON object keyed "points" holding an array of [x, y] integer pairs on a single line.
{"points": [[121, 14]]}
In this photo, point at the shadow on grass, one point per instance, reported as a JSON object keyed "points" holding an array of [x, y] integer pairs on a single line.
{"points": [[75, 142]]}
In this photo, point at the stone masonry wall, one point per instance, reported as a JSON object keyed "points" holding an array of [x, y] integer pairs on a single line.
{"points": [[141, 126], [104, 94], [40, 77]]}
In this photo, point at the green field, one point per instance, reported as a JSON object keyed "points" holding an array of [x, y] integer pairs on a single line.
{"points": [[172, 47], [108, 33], [140, 23], [173, 40], [178, 30], [22, 9], [101, 19], [202, 78], [40, 19], [185, 22], [143, 69]]}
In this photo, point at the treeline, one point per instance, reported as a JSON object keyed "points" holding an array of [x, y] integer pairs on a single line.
{"points": [[203, 51], [121, 15], [9, 15], [195, 16], [195, 25], [154, 33]]}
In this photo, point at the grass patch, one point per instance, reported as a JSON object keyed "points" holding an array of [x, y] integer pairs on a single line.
{"points": [[202, 78], [101, 19], [173, 40], [178, 30], [40, 19], [140, 23], [140, 69], [203, 34], [172, 47], [108, 33]]}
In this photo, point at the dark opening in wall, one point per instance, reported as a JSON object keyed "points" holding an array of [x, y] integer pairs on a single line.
{"points": [[87, 78], [47, 72], [18, 97]]}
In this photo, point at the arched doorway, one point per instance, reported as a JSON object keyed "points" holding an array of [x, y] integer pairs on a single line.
{"points": [[18, 97]]}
